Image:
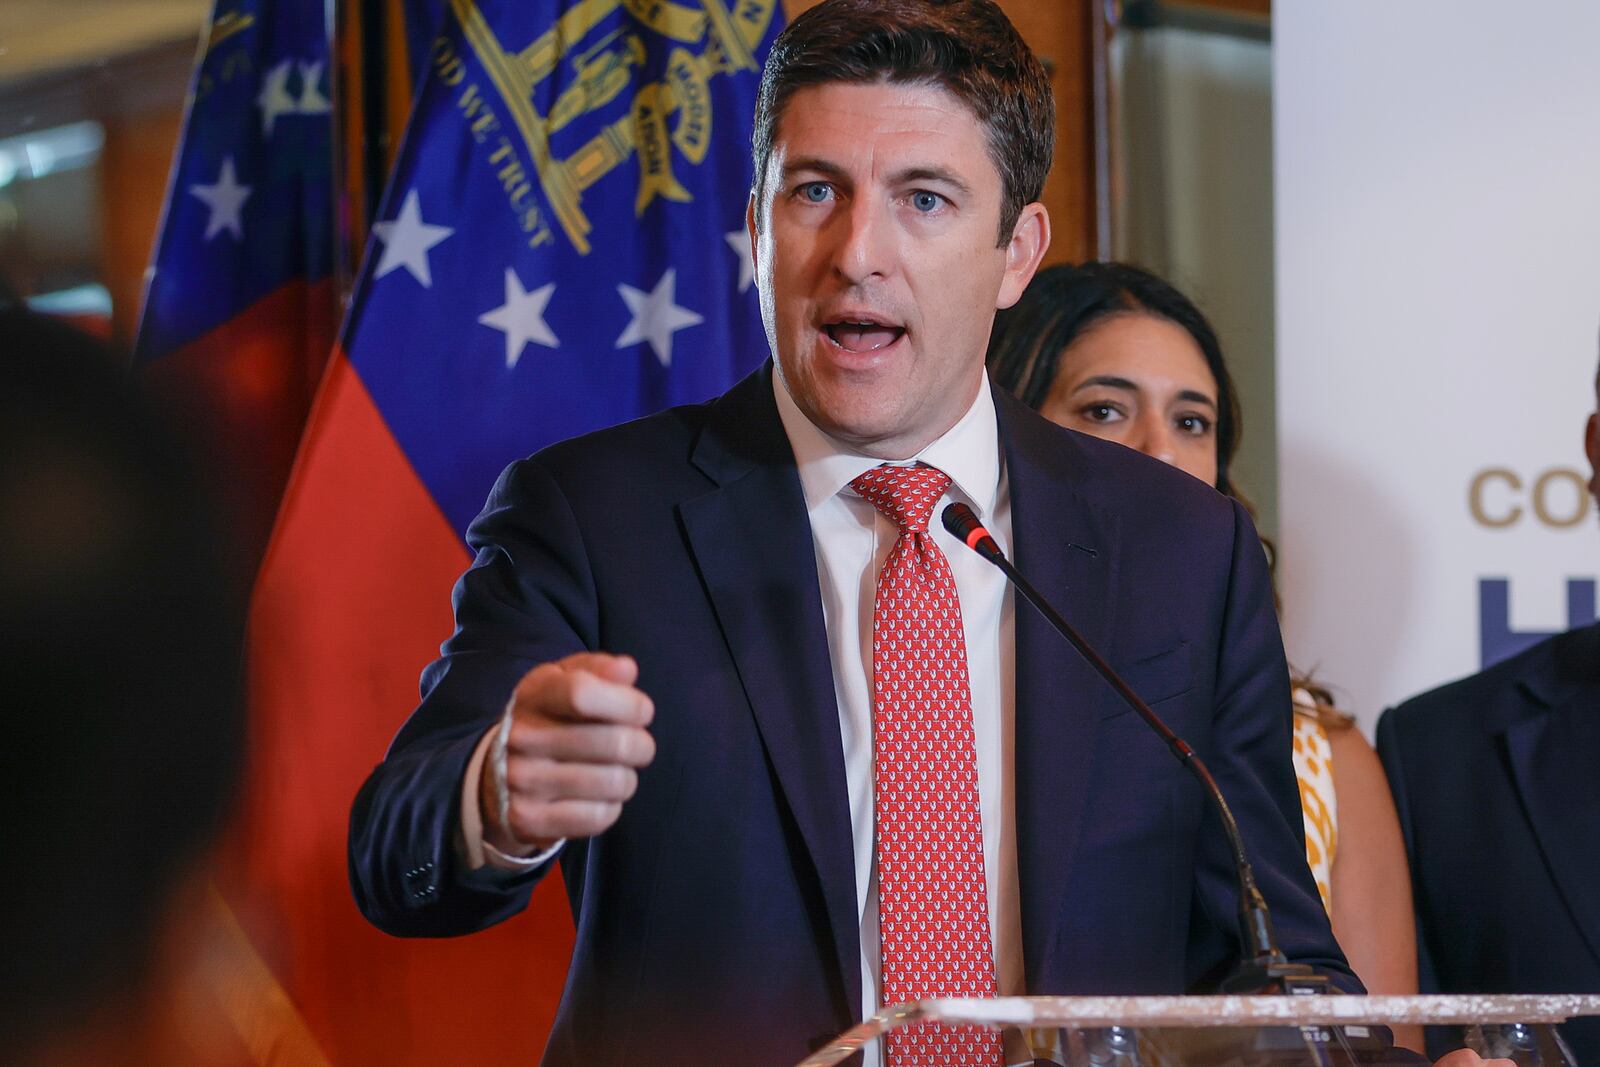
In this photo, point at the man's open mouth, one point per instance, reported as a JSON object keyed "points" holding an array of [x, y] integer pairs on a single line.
{"points": [[862, 336]]}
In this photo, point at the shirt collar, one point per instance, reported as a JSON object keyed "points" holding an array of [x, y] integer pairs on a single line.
{"points": [[969, 452]]}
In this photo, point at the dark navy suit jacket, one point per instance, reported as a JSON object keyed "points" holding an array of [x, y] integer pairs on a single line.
{"points": [[726, 891], [1497, 782]]}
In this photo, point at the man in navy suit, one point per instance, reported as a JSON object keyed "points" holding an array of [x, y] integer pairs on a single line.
{"points": [[662, 672], [1497, 781]]}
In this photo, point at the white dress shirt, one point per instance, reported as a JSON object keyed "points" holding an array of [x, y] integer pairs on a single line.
{"points": [[852, 539]]}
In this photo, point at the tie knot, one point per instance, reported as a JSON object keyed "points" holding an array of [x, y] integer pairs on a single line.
{"points": [[905, 495]]}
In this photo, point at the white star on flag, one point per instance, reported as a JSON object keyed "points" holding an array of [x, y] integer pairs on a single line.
{"points": [[406, 241], [312, 102], [655, 316], [739, 241], [274, 99], [226, 200], [521, 318]]}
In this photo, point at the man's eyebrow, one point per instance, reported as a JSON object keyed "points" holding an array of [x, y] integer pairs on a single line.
{"points": [[812, 165], [828, 169], [929, 174]]}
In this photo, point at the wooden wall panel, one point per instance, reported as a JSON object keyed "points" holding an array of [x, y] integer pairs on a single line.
{"points": [[134, 166], [137, 98], [1060, 33], [1262, 8]]}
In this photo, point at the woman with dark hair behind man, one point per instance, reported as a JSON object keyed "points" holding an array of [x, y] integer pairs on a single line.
{"points": [[1114, 351]]}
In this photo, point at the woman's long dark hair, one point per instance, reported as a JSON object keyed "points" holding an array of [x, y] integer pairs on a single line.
{"points": [[1064, 301], [1061, 304]]}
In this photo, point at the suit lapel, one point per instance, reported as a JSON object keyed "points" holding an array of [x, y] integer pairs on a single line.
{"points": [[752, 543], [1067, 548], [1552, 755]]}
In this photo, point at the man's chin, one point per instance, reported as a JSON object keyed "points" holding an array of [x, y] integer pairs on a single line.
{"points": [[874, 433]]}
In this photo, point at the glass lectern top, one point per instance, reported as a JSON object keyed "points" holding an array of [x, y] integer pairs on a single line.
{"points": [[1240, 1031]]}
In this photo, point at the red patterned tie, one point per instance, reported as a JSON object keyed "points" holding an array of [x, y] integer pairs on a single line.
{"points": [[933, 908]]}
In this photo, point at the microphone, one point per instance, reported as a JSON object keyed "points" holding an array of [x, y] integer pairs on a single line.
{"points": [[1263, 967]]}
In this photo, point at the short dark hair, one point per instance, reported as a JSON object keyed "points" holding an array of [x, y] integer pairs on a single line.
{"points": [[121, 637], [967, 47], [1064, 301]]}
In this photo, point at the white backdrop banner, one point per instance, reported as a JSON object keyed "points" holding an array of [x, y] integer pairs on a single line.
{"points": [[1437, 175]]}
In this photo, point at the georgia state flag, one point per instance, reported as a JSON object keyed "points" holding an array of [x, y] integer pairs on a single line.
{"points": [[240, 306], [562, 247]]}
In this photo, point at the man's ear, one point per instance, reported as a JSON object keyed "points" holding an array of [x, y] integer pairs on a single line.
{"points": [[1030, 238], [752, 227]]}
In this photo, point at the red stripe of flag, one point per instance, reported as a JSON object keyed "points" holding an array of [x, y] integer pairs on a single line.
{"points": [[350, 605], [248, 384]]}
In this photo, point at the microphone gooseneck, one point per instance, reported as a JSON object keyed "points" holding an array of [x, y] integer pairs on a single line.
{"points": [[1263, 967]]}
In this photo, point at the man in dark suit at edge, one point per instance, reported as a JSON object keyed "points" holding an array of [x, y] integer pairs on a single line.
{"points": [[1495, 780], [680, 661]]}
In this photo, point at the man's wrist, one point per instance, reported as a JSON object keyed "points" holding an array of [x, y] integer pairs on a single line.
{"points": [[485, 802], [469, 841], [495, 797], [493, 857]]}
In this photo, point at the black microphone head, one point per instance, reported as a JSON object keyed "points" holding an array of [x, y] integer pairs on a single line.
{"points": [[961, 521]]}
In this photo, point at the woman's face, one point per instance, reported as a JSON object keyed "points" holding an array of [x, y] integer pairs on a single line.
{"points": [[1140, 381]]}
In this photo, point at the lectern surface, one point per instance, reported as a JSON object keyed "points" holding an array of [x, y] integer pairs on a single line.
{"points": [[1239, 1031]]}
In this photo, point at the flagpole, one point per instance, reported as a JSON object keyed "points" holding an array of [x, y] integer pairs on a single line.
{"points": [[375, 30], [349, 218], [358, 30]]}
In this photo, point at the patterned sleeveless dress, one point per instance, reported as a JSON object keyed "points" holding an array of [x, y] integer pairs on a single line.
{"points": [[1313, 768]]}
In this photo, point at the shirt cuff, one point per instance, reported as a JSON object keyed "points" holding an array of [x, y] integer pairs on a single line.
{"points": [[477, 852]]}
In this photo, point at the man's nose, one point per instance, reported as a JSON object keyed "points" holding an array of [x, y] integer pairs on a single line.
{"points": [[865, 243]]}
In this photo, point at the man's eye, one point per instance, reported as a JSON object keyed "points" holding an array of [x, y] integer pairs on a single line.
{"points": [[815, 192], [1198, 425], [1101, 413], [925, 201]]}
